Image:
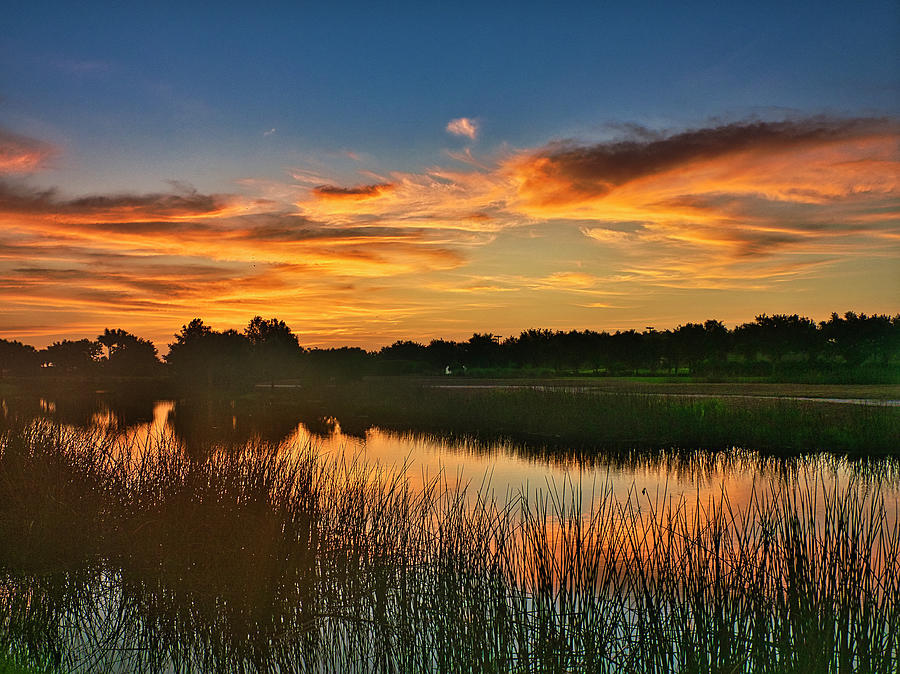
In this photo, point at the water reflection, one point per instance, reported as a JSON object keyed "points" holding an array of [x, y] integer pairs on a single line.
{"points": [[214, 560], [494, 464]]}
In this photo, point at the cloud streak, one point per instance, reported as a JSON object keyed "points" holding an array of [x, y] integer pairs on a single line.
{"points": [[20, 154], [165, 257], [358, 192], [751, 206], [727, 194], [566, 172], [463, 126], [735, 199], [20, 199]]}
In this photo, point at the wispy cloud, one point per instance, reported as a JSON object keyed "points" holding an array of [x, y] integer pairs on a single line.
{"points": [[730, 194], [758, 205], [20, 154], [724, 202], [358, 192], [165, 257], [463, 126], [184, 203]]}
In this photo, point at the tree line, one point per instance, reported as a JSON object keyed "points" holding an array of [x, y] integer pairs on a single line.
{"points": [[268, 350]]}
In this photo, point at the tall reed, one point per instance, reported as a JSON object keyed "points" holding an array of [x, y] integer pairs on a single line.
{"points": [[241, 559], [599, 421]]}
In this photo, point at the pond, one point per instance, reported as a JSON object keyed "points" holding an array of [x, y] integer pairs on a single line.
{"points": [[498, 465], [215, 534]]}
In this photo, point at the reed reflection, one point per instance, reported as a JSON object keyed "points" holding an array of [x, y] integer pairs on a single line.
{"points": [[504, 464], [253, 558]]}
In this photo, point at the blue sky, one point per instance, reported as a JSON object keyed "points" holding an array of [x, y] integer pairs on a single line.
{"points": [[165, 87], [261, 100]]}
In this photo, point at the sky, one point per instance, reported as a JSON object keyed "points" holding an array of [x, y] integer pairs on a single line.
{"points": [[370, 172]]}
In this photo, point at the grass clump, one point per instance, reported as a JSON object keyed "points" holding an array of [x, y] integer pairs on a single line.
{"points": [[602, 421], [250, 558]]}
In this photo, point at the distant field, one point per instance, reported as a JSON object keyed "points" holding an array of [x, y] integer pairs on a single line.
{"points": [[668, 385], [161, 385], [616, 416]]}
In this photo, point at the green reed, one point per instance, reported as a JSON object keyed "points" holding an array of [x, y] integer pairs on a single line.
{"points": [[117, 557], [604, 421]]}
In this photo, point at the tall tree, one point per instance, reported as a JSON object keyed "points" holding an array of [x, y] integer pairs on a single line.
{"points": [[275, 350], [128, 354], [482, 350], [17, 358], [73, 356], [201, 355]]}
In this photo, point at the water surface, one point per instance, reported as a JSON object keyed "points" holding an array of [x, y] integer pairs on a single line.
{"points": [[505, 468], [198, 580]]}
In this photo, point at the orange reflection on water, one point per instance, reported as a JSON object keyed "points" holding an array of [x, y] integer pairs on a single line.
{"points": [[501, 470]]}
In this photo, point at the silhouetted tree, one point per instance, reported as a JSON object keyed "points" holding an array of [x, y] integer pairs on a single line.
{"points": [[403, 357], [128, 354], [403, 350], [717, 341], [534, 348], [482, 350], [442, 354], [110, 338], [856, 338], [598, 350], [201, 355], [72, 357], [190, 354], [782, 335], [274, 348], [17, 358], [268, 349], [625, 351], [573, 348], [688, 345]]}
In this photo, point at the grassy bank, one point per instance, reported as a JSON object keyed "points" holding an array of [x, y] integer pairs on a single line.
{"points": [[243, 559], [602, 421], [676, 385]]}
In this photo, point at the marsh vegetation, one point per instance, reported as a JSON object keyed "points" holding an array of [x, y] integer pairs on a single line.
{"points": [[168, 554], [586, 421]]}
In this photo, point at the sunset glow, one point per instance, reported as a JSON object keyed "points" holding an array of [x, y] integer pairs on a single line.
{"points": [[627, 223]]}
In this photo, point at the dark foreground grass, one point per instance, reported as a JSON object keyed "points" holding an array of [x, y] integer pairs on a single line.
{"points": [[247, 559], [602, 421]]}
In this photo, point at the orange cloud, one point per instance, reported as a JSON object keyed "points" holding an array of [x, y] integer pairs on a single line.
{"points": [[162, 257], [565, 173], [463, 126], [473, 201], [19, 154], [753, 206], [718, 198], [359, 192], [571, 280]]}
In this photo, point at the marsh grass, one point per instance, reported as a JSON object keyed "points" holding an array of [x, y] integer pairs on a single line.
{"points": [[242, 559], [601, 421]]}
